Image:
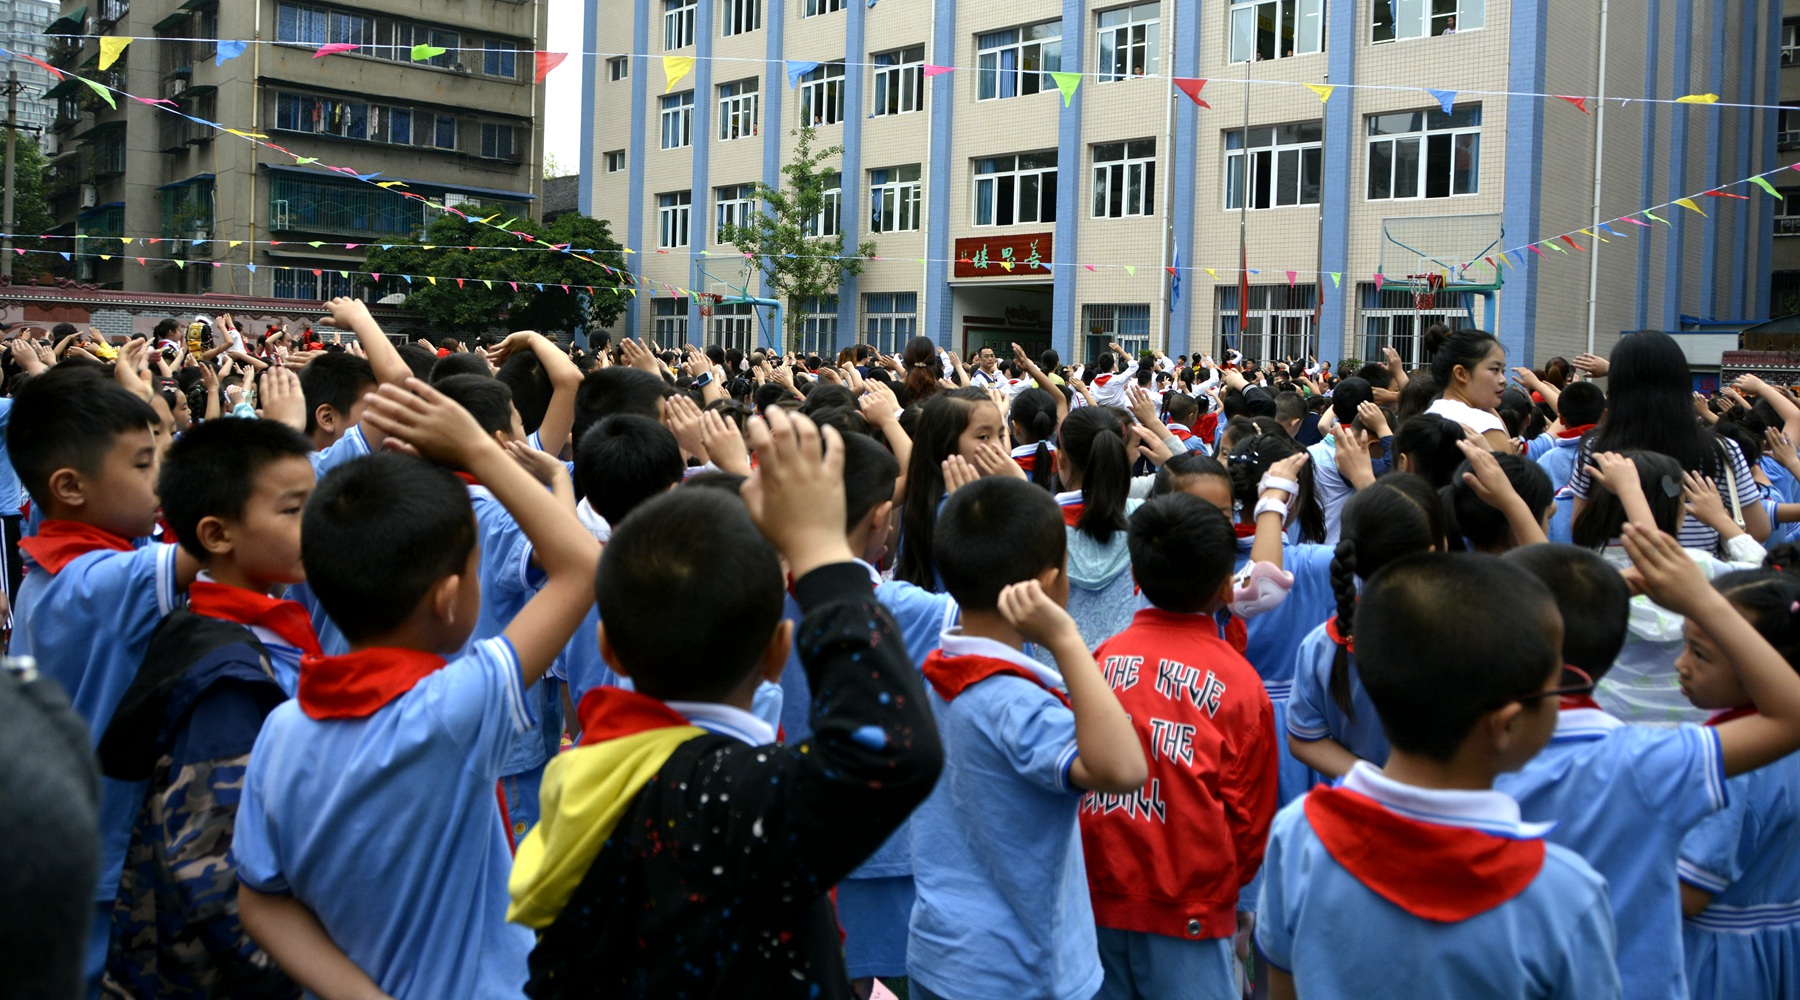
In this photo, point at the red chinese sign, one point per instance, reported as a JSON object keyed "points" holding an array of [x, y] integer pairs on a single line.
{"points": [[1024, 255]]}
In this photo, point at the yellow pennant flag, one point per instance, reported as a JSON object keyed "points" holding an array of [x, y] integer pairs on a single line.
{"points": [[675, 68], [1689, 99], [246, 135], [1323, 90], [1688, 203], [431, 279], [1210, 271], [110, 48], [236, 243], [126, 240]]}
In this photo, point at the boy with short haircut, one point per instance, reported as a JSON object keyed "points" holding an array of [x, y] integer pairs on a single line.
{"points": [[392, 742], [1167, 912], [681, 852], [1003, 908], [1579, 409], [232, 493], [1420, 873]]}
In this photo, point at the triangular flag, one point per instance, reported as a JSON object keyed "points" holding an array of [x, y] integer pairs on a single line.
{"points": [[1652, 215], [351, 246], [459, 282], [1067, 82], [1534, 249], [228, 51], [181, 265], [333, 49], [344, 274], [110, 47], [422, 52], [1765, 185], [1380, 279], [1445, 98], [389, 184], [53, 70], [315, 244], [140, 260], [1210, 271], [376, 275], [1637, 222], [251, 268], [153, 101], [1323, 90], [547, 61], [1558, 249], [1579, 102], [1727, 194], [1131, 269], [102, 91], [1337, 279], [1570, 240], [1697, 99], [488, 283], [1688, 203], [675, 68], [1291, 276], [1191, 86], [104, 256], [931, 71], [318, 273], [246, 135], [1088, 266], [126, 240], [1613, 231], [514, 284], [431, 278], [796, 68], [65, 255]]}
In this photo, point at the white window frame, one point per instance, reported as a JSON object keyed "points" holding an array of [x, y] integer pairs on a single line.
{"points": [[1787, 213], [615, 160], [740, 104], [1039, 43], [895, 195], [899, 81], [618, 68], [1380, 325], [888, 328], [1277, 168], [1787, 127], [669, 320], [830, 220], [814, 8], [998, 178], [1125, 181], [818, 325], [1128, 42], [1790, 42], [1301, 26], [678, 23], [1281, 317], [822, 95], [674, 219], [739, 17], [1125, 323], [677, 120], [1427, 126], [1424, 19], [734, 325], [734, 204]]}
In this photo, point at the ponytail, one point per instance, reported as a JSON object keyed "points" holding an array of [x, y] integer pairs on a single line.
{"points": [[1400, 515], [1093, 439], [1034, 413], [1343, 587], [1770, 601]]}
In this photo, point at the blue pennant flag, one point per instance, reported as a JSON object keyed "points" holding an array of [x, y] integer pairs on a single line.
{"points": [[797, 68], [1446, 98], [65, 255], [228, 51], [251, 267], [1175, 282]]}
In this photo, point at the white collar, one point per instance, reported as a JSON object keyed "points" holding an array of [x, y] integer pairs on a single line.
{"points": [[725, 720], [592, 521], [1068, 498], [480, 492], [1488, 810], [874, 574], [1583, 724], [1020, 451], [1175, 426], [954, 643]]}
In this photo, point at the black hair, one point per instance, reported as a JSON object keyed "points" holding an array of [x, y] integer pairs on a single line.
{"points": [[1420, 391], [334, 380], [420, 359], [715, 354], [1093, 443], [687, 550], [1465, 348], [69, 417], [1233, 404], [730, 482], [1289, 406], [1601, 520], [1348, 395], [922, 369], [995, 532], [1182, 550], [1253, 458], [378, 533], [1187, 465], [1740, 433], [1431, 675], [1181, 407], [1033, 419], [463, 363], [1650, 406], [530, 385], [1581, 404], [1591, 594], [870, 472], [1429, 442], [1395, 517], [211, 471], [940, 423], [1514, 411], [166, 329], [1766, 599], [1375, 373], [616, 389], [828, 396], [1049, 362], [488, 400], [623, 461], [1484, 525]]}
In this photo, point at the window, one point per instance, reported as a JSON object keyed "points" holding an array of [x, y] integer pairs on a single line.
{"points": [[1010, 189], [817, 7], [1787, 214], [1282, 166], [672, 212], [734, 325], [501, 59], [829, 221], [618, 68], [894, 199], [737, 110], [1281, 321], [400, 126], [615, 161], [1418, 18], [678, 24], [1425, 154], [1277, 29], [301, 283], [1787, 133], [500, 142], [1125, 325], [1124, 179], [669, 321], [899, 81], [736, 203], [739, 16], [187, 210], [381, 37], [890, 319], [818, 325], [1017, 61], [822, 95], [1390, 319], [320, 203], [678, 120], [1128, 41], [302, 25]]}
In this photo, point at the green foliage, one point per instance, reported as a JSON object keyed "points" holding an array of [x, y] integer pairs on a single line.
{"points": [[795, 266], [31, 209], [476, 307]]}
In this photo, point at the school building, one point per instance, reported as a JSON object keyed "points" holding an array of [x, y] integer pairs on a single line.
{"points": [[1005, 209]]}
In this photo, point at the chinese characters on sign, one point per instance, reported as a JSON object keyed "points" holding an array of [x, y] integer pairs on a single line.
{"points": [[1024, 255]]}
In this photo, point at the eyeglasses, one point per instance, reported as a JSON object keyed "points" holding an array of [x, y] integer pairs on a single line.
{"points": [[1584, 685]]}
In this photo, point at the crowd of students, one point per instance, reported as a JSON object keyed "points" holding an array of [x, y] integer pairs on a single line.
{"points": [[360, 670]]}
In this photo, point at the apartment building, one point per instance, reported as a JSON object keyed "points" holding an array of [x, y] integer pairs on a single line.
{"points": [[463, 126], [971, 181], [1784, 295], [22, 24]]}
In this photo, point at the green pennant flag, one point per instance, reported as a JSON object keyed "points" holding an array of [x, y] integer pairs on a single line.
{"points": [[488, 283], [1131, 269], [1658, 218], [1765, 185], [105, 95], [1337, 279], [344, 274], [422, 52], [315, 244], [1067, 82]]}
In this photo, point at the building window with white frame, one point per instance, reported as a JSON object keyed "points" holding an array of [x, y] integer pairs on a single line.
{"points": [[672, 218], [894, 194], [618, 68], [1277, 166], [829, 221], [1261, 30], [899, 81], [678, 24], [737, 17], [1017, 61], [1124, 179], [822, 95], [890, 319], [1281, 321], [1787, 129], [1787, 213], [1425, 154], [615, 161], [738, 107], [818, 325], [1015, 189], [736, 203], [814, 8], [669, 322], [734, 326], [1391, 318], [1790, 42], [678, 120], [1126, 325], [1421, 18], [1129, 41]]}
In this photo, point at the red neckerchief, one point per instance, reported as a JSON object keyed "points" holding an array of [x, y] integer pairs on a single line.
{"points": [[1331, 629], [608, 713], [1569, 701], [59, 543], [1207, 426], [1244, 530], [1102, 379], [357, 685], [1072, 514], [1179, 432], [1430, 870], [286, 619], [952, 675], [1575, 432], [471, 480], [1027, 462], [1736, 713]]}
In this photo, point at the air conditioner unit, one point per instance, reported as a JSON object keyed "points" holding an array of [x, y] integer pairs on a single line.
{"points": [[278, 215], [90, 196], [50, 143]]}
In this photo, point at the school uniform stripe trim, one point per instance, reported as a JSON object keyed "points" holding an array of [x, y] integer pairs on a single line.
{"points": [[1278, 690], [1746, 919], [1309, 734], [167, 598], [1700, 878], [1714, 762], [1066, 762], [518, 709]]}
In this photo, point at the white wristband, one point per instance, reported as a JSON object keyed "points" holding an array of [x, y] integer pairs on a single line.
{"points": [[1268, 506], [1273, 482]]}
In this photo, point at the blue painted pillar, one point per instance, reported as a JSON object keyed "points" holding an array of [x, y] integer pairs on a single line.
{"points": [[634, 213], [1338, 191], [1064, 312], [939, 310], [1182, 157], [854, 209], [1522, 174]]}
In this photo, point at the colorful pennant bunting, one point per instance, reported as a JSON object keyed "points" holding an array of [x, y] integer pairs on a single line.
{"points": [[111, 47], [1323, 90], [1191, 87], [547, 61], [1067, 82], [423, 52], [333, 49]]}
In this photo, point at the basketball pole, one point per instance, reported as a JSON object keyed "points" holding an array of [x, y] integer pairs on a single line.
{"points": [[1599, 179]]}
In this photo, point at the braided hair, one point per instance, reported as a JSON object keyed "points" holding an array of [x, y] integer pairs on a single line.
{"points": [[1253, 457], [1397, 516]]}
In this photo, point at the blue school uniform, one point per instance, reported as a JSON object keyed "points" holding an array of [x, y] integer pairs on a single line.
{"points": [[1273, 643], [1003, 911], [1747, 943], [1313, 714], [1623, 797], [1340, 938], [1558, 462], [352, 444], [385, 827]]}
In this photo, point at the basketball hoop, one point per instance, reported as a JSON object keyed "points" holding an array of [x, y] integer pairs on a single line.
{"points": [[707, 301], [1424, 290]]}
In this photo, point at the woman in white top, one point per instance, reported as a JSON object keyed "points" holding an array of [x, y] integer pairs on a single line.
{"points": [[1470, 365]]}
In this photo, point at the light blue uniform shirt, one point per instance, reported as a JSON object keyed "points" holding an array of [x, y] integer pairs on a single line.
{"points": [[1623, 797], [1313, 714], [88, 627], [1342, 941], [387, 828], [350, 445], [1558, 462], [11, 493], [1003, 911], [508, 582]]}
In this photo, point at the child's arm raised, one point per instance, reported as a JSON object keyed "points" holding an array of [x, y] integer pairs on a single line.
{"points": [[390, 369], [565, 382], [294, 938], [1490, 484]]}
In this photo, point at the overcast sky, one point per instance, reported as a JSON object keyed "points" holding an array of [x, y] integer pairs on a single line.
{"points": [[563, 128]]}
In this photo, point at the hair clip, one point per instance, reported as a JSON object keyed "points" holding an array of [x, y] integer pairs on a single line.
{"points": [[1671, 486]]}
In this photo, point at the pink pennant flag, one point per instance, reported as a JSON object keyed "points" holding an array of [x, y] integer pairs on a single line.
{"points": [[376, 275], [931, 71], [514, 284], [1637, 222], [1579, 102], [153, 100], [1291, 276], [351, 246], [565, 288], [1088, 266], [1534, 249], [547, 61], [1379, 279], [333, 49]]}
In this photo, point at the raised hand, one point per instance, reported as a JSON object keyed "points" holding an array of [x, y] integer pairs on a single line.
{"points": [[282, 399], [1034, 615], [429, 423], [796, 493]]}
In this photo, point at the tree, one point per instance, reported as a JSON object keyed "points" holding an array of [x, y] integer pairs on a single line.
{"points": [[31, 210], [491, 260], [796, 264]]}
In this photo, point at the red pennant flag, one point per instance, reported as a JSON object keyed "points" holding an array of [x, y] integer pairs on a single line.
{"points": [[318, 273], [1579, 102], [1379, 278], [1566, 238], [1534, 249], [1723, 194], [459, 282], [1191, 87], [1490, 262], [140, 260], [274, 243], [547, 61], [1171, 270], [57, 72]]}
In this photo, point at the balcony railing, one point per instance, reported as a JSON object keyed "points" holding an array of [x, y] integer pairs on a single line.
{"points": [[1787, 225]]}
